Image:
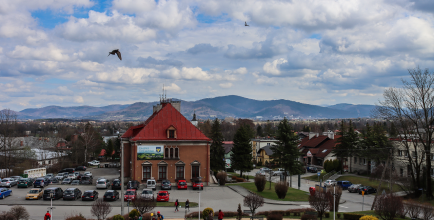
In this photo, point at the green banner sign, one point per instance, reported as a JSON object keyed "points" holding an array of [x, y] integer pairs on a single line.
{"points": [[146, 152]]}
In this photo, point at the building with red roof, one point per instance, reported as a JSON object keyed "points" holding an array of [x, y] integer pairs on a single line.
{"points": [[166, 146], [317, 148]]}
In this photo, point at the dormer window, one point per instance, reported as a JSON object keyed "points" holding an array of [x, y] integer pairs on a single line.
{"points": [[171, 132]]}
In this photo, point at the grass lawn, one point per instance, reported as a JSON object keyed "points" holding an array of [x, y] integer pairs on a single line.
{"points": [[314, 177], [366, 182], [291, 195]]}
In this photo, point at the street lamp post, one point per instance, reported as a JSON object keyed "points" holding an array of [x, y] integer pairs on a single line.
{"points": [[51, 206], [199, 204], [122, 178]]}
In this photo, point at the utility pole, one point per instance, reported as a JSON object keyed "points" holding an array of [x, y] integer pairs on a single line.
{"points": [[122, 178]]}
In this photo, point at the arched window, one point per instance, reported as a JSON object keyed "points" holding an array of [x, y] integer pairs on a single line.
{"points": [[171, 152]]}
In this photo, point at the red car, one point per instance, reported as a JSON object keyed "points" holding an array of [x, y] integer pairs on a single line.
{"points": [[182, 184], [130, 195], [163, 196], [197, 184]]}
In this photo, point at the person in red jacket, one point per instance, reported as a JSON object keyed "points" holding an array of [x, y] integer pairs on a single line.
{"points": [[221, 215], [47, 216]]}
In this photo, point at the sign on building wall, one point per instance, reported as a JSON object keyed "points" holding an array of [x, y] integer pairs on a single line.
{"points": [[150, 152], [228, 163]]}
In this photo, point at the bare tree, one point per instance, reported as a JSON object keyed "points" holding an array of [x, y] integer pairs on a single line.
{"points": [[412, 208], [8, 122], [144, 205], [411, 108], [6, 216], [320, 201], [19, 213], [100, 209], [89, 139], [253, 201], [388, 206], [427, 211], [337, 197]]}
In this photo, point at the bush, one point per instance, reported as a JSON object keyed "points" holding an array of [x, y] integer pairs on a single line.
{"points": [[147, 216], [206, 212], [134, 213], [281, 188], [388, 206], [240, 179], [227, 214], [221, 177], [259, 163], [118, 217], [308, 217], [260, 182], [351, 216], [234, 177], [247, 177], [264, 213], [278, 212], [76, 217], [274, 217], [338, 215], [327, 215], [368, 217]]}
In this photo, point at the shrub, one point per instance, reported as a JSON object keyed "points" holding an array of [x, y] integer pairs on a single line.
{"points": [[338, 215], [259, 163], [75, 217], [308, 217], [281, 188], [234, 177], [134, 213], [327, 215], [221, 177], [226, 213], [274, 217], [412, 208], [388, 206], [147, 216], [247, 177], [351, 216], [264, 213], [206, 212], [240, 179], [118, 217], [19, 212], [260, 182], [427, 212], [277, 212], [368, 217]]}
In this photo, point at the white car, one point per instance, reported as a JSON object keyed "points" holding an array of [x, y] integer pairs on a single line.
{"points": [[330, 183], [87, 173], [94, 163], [147, 194], [102, 183], [72, 176], [60, 176], [277, 173]]}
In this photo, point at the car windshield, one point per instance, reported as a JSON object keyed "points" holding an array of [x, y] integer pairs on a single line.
{"points": [[87, 194], [5, 180], [23, 181], [198, 182], [48, 191], [85, 178], [108, 193], [67, 179], [34, 191], [151, 183], [116, 182], [76, 181], [181, 183], [129, 193], [146, 192], [101, 182], [69, 192], [162, 194]]}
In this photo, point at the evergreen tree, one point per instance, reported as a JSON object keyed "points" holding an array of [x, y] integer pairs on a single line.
{"points": [[285, 151], [393, 131], [375, 144], [268, 129], [217, 152], [347, 143], [259, 131], [109, 149], [241, 158]]}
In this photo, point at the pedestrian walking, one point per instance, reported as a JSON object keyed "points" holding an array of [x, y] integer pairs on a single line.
{"points": [[221, 215], [187, 205], [159, 216], [47, 216], [176, 206]]}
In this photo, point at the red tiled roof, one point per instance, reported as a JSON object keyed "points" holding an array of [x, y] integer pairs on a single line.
{"points": [[313, 142], [103, 153], [317, 145], [155, 127]]}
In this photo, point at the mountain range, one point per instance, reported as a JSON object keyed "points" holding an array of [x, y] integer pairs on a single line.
{"points": [[221, 107]]}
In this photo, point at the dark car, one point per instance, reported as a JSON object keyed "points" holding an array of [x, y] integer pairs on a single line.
{"points": [[24, 183], [165, 184], [54, 180], [47, 181], [116, 184], [57, 193], [79, 176], [354, 188], [111, 195], [40, 182], [89, 195], [344, 184], [367, 190], [134, 184], [81, 168], [69, 170], [71, 194], [86, 180]]}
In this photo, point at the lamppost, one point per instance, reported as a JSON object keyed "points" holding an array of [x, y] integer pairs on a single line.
{"points": [[199, 204], [122, 178], [51, 207]]}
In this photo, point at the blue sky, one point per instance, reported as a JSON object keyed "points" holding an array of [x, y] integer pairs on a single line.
{"points": [[315, 52]]}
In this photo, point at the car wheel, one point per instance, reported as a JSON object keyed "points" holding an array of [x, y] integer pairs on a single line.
{"points": [[3, 196]]}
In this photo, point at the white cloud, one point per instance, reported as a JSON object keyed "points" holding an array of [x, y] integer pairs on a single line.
{"points": [[225, 85], [78, 99], [194, 74], [241, 70], [126, 75], [174, 88], [134, 6], [43, 53], [272, 67]]}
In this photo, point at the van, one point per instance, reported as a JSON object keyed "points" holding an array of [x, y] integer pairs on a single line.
{"points": [[57, 193], [151, 184]]}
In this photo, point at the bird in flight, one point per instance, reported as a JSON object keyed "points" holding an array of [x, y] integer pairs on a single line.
{"points": [[116, 52], [245, 23]]}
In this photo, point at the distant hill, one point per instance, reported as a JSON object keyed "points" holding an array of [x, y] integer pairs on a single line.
{"points": [[221, 107]]}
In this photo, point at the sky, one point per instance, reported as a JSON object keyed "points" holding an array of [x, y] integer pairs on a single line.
{"points": [[319, 52]]}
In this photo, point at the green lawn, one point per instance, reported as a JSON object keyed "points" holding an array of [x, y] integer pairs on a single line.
{"points": [[314, 177], [366, 182], [291, 195]]}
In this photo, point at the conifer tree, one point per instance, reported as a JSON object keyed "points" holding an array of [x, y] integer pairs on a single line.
{"points": [[241, 158], [217, 152]]}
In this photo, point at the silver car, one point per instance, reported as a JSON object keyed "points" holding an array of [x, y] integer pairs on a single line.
{"points": [[67, 181], [8, 182], [60, 176], [330, 183], [147, 194], [102, 183]]}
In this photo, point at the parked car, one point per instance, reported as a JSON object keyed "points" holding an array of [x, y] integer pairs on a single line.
{"points": [[60, 176], [25, 183], [8, 182], [47, 181], [71, 176], [35, 193], [134, 184], [86, 180], [65, 174], [312, 169], [197, 184], [81, 168], [88, 173], [367, 190], [182, 184], [265, 169], [56, 191], [54, 180], [111, 195], [130, 195], [40, 182], [5, 192], [116, 184], [75, 182], [69, 170], [147, 194], [151, 184], [79, 176], [94, 163], [330, 183], [72, 194], [89, 195], [278, 173], [165, 184], [16, 178], [344, 184], [261, 173], [67, 181], [354, 188], [49, 175], [103, 183], [163, 196]]}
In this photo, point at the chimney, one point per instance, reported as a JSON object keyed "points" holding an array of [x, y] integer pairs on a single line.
{"points": [[311, 135]]}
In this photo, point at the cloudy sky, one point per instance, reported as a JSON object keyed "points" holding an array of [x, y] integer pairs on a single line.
{"points": [[322, 52]]}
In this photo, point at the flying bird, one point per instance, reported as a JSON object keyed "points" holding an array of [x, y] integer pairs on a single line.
{"points": [[116, 52], [245, 23]]}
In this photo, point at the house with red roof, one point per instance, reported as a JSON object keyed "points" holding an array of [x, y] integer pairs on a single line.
{"points": [[166, 146], [316, 149]]}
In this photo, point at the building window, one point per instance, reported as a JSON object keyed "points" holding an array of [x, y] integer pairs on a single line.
{"points": [[166, 152], [414, 154], [195, 172], [176, 152], [401, 172], [171, 152], [400, 153], [360, 161], [162, 172], [171, 133], [355, 159], [146, 172], [180, 172], [364, 161]]}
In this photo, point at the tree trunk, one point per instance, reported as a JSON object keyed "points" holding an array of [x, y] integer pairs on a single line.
{"points": [[351, 161], [290, 180], [85, 154], [429, 195], [381, 181]]}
